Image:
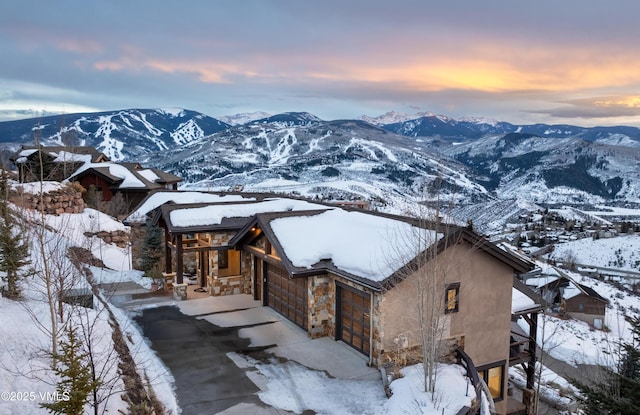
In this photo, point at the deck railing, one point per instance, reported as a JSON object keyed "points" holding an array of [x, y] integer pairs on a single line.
{"points": [[465, 361]]}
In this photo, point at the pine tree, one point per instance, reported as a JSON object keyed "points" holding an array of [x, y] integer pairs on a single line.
{"points": [[619, 392], [13, 250], [76, 383], [152, 251]]}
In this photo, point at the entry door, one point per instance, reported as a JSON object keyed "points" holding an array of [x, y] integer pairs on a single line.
{"points": [[353, 322]]}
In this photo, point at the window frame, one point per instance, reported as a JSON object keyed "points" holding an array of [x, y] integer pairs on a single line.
{"points": [[483, 372], [455, 287]]}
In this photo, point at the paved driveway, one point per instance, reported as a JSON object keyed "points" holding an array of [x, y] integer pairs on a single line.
{"points": [[198, 339]]}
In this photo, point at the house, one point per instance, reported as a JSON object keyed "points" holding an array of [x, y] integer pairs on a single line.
{"points": [[56, 163], [197, 237], [567, 296], [583, 303], [353, 275], [133, 182]]}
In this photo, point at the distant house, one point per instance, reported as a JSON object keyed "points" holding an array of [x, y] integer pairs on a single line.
{"points": [[569, 297], [57, 163], [584, 303], [132, 181]]}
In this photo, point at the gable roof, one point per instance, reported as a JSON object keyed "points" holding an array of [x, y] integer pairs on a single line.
{"points": [[60, 154], [574, 289], [232, 215], [160, 197], [127, 176], [366, 247]]}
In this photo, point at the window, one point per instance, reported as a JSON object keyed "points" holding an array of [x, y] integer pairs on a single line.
{"points": [[494, 378], [452, 298], [223, 259]]}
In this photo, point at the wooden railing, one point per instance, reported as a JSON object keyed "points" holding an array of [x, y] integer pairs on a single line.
{"points": [[465, 361]]}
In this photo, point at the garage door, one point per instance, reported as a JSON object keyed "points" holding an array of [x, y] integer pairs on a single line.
{"points": [[288, 296], [353, 318]]}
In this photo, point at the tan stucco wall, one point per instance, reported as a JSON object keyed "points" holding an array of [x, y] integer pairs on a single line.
{"points": [[484, 315]]}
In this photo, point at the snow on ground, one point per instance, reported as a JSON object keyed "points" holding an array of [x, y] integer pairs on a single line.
{"points": [[35, 188], [622, 252], [80, 228], [148, 364], [24, 364], [575, 342], [290, 386], [553, 387], [604, 210]]}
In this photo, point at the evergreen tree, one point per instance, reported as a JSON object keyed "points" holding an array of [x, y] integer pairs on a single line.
{"points": [[13, 250], [152, 251], [619, 391], [76, 383]]}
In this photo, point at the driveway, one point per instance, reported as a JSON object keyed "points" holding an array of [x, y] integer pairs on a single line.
{"points": [[206, 343]]}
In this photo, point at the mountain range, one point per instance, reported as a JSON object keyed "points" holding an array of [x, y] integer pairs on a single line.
{"points": [[385, 159]]}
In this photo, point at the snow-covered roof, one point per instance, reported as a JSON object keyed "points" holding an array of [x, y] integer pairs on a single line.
{"points": [[66, 156], [521, 302], [159, 198], [149, 175], [541, 281], [214, 213], [361, 244], [126, 175], [574, 289], [571, 291]]}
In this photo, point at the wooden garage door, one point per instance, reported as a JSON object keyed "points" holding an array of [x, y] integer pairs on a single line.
{"points": [[353, 318], [288, 296]]}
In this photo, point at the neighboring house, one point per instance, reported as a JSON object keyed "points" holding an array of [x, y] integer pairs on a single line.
{"points": [[350, 275], [569, 297], [584, 303], [131, 180], [35, 163]]}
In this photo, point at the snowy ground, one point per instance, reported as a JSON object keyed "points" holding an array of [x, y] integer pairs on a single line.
{"points": [[24, 364], [621, 252], [26, 379]]}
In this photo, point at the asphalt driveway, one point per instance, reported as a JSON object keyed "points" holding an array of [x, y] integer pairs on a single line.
{"points": [[197, 340]]}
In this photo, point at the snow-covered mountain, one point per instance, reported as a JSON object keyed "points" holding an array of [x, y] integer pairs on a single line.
{"points": [[298, 153], [479, 159], [466, 128], [122, 135], [244, 118], [393, 117], [551, 170]]}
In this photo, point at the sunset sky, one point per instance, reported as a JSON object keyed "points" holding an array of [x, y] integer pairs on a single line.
{"points": [[552, 61]]}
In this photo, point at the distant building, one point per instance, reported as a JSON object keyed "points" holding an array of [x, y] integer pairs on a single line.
{"points": [[57, 163], [584, 303], [131, 180]]}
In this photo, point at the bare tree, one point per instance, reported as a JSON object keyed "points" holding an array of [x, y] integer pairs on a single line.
{"points": [[424, 251]]}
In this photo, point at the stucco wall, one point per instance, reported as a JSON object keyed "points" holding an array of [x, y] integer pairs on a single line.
{"points": [[482, 323]]}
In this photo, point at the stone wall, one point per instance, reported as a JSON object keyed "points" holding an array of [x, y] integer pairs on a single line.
{"points": [[320, 307], [119, 238], [65, 200], [226, 285]]}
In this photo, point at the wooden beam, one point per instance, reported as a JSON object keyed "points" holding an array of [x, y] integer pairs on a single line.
{"points": [[167, 252], [179, 259]]}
